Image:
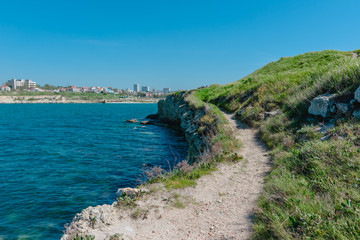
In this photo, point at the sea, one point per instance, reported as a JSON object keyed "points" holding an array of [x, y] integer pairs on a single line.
{"points": [[57, 159]]}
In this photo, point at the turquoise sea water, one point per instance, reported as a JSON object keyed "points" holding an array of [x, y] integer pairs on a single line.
{"points": [[57, 159]]}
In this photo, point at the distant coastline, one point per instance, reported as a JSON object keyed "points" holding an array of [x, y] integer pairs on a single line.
{"points": [[64, 99]]}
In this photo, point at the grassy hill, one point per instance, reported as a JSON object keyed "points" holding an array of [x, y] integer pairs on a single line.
{"points": [[313, 189]]}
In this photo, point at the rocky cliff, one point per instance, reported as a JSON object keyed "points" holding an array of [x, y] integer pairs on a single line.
{"points": [[178, 113]]}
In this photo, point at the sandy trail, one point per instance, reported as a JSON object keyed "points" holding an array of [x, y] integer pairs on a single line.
{"points": [[221, 206]]}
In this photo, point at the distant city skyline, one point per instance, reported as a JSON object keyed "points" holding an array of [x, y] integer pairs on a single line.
{"points": [[179, 45], [31, 84]]}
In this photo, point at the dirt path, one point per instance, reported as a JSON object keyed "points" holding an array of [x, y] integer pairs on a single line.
{"points": [[221, 205]]}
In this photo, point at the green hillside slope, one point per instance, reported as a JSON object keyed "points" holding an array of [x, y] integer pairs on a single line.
{"points": [[313, 189]]}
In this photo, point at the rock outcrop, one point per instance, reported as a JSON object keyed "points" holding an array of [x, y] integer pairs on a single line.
{"points": [[131, 192], [357, 94], [91, 218], [322, 105], [329, 106], [177, 112], [344, 108], [356, 114]]}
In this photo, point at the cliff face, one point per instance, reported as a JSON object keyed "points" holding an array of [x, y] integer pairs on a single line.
{"points": [[178, 113]]}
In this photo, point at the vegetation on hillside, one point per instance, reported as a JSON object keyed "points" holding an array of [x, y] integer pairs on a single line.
{"points": [[313, 189], [220, 141]]}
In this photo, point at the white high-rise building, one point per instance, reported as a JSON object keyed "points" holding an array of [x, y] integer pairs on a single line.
{"points": [[145, 89], [16, 83], [166, 90], [136, 87], [30, 84]]}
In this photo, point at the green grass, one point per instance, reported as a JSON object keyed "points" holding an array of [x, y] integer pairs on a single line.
{"points": [[126, 201], [139, 213], [179, 179], [84, 237], [177, 201], [312, 191], [286, 84]]}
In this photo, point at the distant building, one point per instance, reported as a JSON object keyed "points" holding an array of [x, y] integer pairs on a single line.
{"points": [[30, 84], [37, 90], [75, 89], [109, 90], [136, 87], [17, 83], [93, 89], [5, 88], [166, 90], [145, 89], [128, 90], [85, 89]]}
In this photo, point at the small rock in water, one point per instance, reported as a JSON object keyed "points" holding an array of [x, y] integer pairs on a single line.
{"points": [[132, 120]]}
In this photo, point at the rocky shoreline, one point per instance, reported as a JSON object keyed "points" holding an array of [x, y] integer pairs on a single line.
{"points": [[176, 112]]}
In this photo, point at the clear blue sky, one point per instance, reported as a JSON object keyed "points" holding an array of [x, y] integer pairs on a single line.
{"points": [[177, 44]]}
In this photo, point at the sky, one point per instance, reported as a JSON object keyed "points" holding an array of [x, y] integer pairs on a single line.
{"points": [[162, 43]]}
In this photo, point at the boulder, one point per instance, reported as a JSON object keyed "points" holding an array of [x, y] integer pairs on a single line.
{"points": [[131, 192], [356, 114], [145, 122], [322, 105], [91, 218], [357, 94], [132, 120], [344, 108]]}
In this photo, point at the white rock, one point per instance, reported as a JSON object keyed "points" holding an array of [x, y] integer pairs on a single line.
{"points": [[344, 107], [131, 192], [356, 114], [322, 105], [357, 94]]}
